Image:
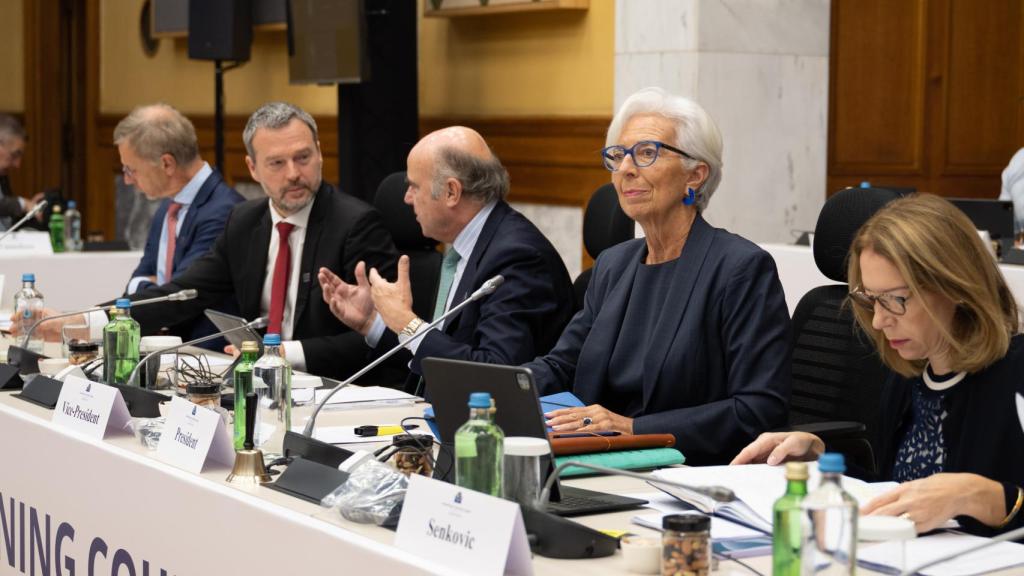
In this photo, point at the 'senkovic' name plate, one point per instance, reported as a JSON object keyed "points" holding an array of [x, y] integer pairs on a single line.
{"points": [[469, 532], [91, 408], [193, 436]]}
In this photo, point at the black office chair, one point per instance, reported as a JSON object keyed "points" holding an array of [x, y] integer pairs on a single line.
{"points": [[837, 374], [424, 259], [604, 225]]}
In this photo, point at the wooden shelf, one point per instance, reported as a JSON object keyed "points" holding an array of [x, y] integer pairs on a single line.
{"points": [[457, 8]]}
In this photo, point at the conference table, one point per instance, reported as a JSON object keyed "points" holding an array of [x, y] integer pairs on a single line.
{"points": [[799, 274], [72, 504], [69, 280]]}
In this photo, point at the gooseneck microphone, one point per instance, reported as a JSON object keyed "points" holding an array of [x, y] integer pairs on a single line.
{"points": [[35, 209], [180, 296], [485, 290], [716, 493], [1011, 535], [254, 325]]}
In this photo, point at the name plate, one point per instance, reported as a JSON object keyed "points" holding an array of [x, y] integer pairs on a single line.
{"points": [[469, 532], [193, 436], [91, 408], [27, 243]]}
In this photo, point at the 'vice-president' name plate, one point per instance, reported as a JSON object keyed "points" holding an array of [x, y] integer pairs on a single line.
{"points": [[469, 532], [193, 436], [91, 408]]}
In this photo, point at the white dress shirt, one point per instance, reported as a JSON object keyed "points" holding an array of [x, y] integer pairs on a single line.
{"points": [[1013, 188], [293, 351]]}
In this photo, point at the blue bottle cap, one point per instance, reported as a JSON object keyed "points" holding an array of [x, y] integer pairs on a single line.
{"points": [[28, 277], [480, 400], [272, 340], [71, 204], [865, 184], [831, 462], [123, 303]]}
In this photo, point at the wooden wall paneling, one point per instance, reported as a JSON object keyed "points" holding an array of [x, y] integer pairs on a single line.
{"points": [[41, 167], [980, 97], [876, 87]]}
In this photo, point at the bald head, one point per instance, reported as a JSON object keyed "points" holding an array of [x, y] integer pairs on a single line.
{"points": [[460, 153], [460, 138]]}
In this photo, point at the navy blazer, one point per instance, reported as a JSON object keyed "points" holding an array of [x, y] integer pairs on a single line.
{"points": [[524, 316], [204, 221], [342, 231], [717, 373]]}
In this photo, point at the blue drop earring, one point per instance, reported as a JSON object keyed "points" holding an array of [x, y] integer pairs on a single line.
{"points": [[690, 197]]}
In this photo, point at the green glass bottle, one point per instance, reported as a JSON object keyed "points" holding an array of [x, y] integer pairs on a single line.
{"points": [[120, 344], [479, 447], [57, 229], [243, 385], [787, 534]]}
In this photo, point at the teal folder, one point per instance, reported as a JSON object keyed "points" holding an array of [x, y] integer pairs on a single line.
{"points": [[646, 459]]}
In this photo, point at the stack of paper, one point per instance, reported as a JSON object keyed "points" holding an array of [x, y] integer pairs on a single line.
{"points": [[356, 397], [885, 556], [756, 487]]}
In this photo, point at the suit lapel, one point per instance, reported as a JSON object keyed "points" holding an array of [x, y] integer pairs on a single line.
{"points": [[309, 249], [691, 259], [252, 286], [467, 283], [593, 364], [187, 227]]}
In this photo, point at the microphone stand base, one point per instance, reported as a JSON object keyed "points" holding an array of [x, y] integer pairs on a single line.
{"points": [[42, 391], [9, 377], [308, 480], [556, 537]]}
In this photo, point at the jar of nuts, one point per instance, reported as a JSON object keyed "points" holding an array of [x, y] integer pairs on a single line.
{"points": [[686, 545]]}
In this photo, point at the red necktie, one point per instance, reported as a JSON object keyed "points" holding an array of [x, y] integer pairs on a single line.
{"points": [[172, 236], [279, 286]]}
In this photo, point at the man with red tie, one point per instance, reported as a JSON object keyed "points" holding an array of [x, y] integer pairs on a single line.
{"points": [[270, 250], [160, 157]]}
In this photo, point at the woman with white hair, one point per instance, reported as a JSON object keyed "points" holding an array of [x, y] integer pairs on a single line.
{"points": [[686, 330]]}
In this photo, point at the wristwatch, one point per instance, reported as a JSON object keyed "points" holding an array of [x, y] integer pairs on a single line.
{"points": [[411, 328]]}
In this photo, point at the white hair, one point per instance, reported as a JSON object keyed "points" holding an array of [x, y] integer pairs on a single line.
{"points": [[696, 133]]}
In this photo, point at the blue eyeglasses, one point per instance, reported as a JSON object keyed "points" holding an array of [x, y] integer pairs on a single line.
{"points": [[644, 154]]}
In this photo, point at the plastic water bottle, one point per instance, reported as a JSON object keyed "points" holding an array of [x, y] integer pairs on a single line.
{"points": [[57, 229], [73, 228], [479, 447], [830, 540], [272, 383], [787, 534], [120, 344], [243, 385], [28, 306]]}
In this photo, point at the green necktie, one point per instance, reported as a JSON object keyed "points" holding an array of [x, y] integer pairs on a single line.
{"points": [[448, 266]]}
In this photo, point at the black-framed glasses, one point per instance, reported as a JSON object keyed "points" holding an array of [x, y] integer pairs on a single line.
{"points": [[894, 304], [644, 153]]}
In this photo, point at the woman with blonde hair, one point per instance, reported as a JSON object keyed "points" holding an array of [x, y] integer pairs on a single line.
{"points": [[943, 319]]}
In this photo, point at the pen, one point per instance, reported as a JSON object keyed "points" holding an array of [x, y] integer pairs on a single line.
{"points": [[382, 430]]}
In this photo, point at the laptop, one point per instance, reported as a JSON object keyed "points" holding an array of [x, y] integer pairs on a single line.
{"points": [[449, 384], [995, 216]]}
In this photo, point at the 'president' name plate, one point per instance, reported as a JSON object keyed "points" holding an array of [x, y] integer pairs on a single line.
{"points": [[193, 436], [91, 408], [469, 532]]}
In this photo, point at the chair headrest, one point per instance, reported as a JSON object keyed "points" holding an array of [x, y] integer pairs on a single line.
{"points": [[841, 217], [399, 216], [604, 222]]}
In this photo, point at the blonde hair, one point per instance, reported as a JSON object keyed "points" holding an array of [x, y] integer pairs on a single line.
{"points": [[937, 249]]}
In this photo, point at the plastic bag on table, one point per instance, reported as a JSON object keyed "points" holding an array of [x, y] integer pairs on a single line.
{"points": [[372, 490]]}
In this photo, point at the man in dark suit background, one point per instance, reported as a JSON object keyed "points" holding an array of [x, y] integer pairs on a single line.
{"points": [[160, 157], [457, 188], [270, 249], [12, 148]]}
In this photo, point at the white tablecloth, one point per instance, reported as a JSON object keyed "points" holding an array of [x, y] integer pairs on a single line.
{"points": [[70, 280], [799, 274]]}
